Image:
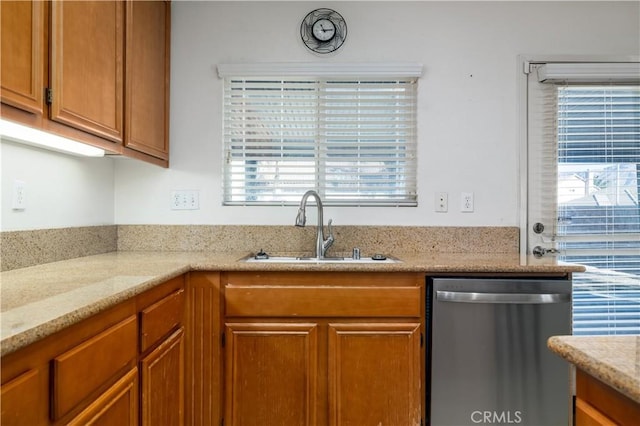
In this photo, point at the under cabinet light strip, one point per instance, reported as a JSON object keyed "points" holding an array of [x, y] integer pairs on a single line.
{"points": [[29, 136]]}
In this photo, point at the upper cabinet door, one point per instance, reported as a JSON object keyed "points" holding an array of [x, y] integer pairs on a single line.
{"points": [[22, 40], [147, 71], [87, 66]]}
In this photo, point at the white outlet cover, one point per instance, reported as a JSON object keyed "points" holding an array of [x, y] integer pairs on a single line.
{"points": [[19, 199]]}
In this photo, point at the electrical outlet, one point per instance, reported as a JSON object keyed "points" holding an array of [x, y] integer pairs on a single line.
{"points": [[185, 200], [19, 201], [466, 202], [442, 202]]}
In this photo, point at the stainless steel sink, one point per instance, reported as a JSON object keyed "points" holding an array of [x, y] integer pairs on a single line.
{"points": [[296, 259]]}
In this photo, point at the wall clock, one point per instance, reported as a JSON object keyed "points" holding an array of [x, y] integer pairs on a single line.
{"points": [[323, 30]]}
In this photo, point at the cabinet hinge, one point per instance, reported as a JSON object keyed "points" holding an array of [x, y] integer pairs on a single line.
{"points": [[421, 340], [48, 95], [223, 340]]}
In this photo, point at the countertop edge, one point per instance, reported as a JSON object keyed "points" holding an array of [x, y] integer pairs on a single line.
{"points": [[184, 262], [603, 371], [31, 335]]}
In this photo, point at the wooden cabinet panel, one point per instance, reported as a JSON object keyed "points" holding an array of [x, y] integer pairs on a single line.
{"points": [[117, 406], [321, 301], [587, 415], [22, 53], [597, 402], [147, 71], [271, 374], [157, 320], [83, 370], [203, 352], [374, 374], [22, 400], [87, 44], [162, 373]]}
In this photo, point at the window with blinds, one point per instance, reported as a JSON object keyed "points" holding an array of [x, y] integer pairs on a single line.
{"points": [[353, 140], [584, 182], [598, 151]]}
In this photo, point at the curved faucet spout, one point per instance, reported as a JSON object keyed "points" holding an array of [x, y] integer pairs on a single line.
{"points": [[322, 245]]}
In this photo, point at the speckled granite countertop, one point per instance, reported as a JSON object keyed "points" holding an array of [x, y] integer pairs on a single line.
{"points": [[40, 300], [614, 360]]}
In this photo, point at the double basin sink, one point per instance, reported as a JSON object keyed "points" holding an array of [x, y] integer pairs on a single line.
{"points": [[376, 258]]}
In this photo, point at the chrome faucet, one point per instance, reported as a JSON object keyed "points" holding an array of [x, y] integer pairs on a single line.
{"points": [[322, 245]]}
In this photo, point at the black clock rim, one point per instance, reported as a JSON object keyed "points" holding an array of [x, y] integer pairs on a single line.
{"points": [[316, 45]]}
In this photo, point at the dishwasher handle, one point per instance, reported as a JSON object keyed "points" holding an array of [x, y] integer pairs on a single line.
{"points": [[508, 298]]}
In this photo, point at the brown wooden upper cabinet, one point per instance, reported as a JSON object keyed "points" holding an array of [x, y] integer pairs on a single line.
{"points": [[93, 71], [87, 66], [147, 77], [23, 46]]}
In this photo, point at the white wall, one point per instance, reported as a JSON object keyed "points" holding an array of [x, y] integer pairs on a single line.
{"points": [[61, 190], [468, 135]]}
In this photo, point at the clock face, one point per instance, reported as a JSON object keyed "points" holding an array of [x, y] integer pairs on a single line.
{"points": [[323, 30]]}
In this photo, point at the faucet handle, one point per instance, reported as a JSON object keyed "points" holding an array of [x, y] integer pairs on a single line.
{"points": [[329, 241]]}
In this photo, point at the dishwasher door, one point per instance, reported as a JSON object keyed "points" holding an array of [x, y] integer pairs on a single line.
{"points": [[489, 358]]}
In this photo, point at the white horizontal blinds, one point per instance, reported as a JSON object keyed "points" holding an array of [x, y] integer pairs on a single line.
{"points": [[367, 142], [598, 211], [598, 175], [352, 140], [270, 143]]}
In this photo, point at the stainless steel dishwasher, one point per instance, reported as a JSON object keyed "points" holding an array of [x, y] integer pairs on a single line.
{"points": [[489, 362]]}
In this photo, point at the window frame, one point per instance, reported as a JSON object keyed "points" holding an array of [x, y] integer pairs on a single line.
{"points": [[327, 149], [593, 280]]}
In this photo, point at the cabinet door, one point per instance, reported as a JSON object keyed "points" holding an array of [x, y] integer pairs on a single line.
{"points": [[162, 374], [117, 406], [374, 374], [22, 53], [87, 66], [271, 374], [23, 401], [147, 71]]}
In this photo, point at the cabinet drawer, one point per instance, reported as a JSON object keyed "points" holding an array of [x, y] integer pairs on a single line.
{"points": [[83, 370], [322, 301], [21, 400], [117, 406], [159, 319]]}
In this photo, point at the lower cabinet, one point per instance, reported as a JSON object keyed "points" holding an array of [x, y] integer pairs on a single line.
{"points": [[272, 373], [319, 349], [162, 378], [124, 366], [117, 406], [598, 404], [22, 400], [374, 374]]}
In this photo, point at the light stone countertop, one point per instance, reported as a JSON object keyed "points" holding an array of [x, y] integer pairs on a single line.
{"points": [[40, 300], [614, 360]]}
